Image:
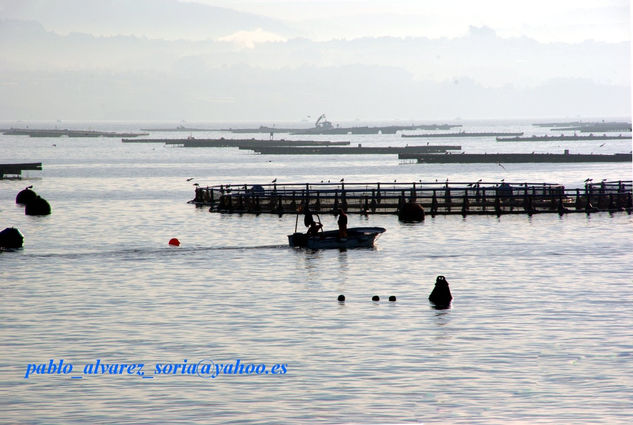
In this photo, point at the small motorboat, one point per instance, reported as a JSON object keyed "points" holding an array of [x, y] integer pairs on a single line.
{"points": [[357, 237]]}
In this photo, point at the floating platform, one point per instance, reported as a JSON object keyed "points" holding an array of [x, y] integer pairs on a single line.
{"points": [[587, 127], [465, 134], [513, 158], [236, 143], [179, 128], [437, 198], [68, 133], [390, 129], [562, 138], [359, 150], [247, 143], [14, 171]]}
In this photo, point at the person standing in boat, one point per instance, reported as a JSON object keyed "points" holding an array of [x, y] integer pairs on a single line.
{"points": [[342, 223]]}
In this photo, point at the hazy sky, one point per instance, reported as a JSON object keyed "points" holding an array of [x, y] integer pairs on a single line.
{"points": [[250, 60], [543, 20]]}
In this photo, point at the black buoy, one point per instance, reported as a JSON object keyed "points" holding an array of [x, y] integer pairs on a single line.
{"points": [[25, 196], [37, 206], [341, 298], [411, 211], [375, 298], [392, 298], [441, 294], [11, 238]]}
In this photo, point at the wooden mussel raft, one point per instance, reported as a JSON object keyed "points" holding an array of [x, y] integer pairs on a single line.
{"points": [[434, 198]]}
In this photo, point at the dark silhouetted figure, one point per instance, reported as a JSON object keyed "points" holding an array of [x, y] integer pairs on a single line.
{"points": [[11, 238], [37, 206], [342, 224], [441, 294], [411, 211], [308, 220], [25, 195]]}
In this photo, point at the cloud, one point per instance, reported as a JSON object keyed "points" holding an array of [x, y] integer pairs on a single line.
{"points": [[248, 39], [254, 73]]}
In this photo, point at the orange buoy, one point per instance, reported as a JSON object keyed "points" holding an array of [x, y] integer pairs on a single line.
{"points": [[174, 242]]}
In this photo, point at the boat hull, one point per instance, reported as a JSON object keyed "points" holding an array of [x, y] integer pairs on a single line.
{"points": [[357, 237]]}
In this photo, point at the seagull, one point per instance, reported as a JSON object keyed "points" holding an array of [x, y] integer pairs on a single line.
{"points": [[588, 180], [500, 165], [602, 145], [274, 181], [196, 184], [189, 179], [342, 180]]}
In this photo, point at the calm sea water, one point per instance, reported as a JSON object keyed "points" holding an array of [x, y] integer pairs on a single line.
{"points": [[540, 329]]}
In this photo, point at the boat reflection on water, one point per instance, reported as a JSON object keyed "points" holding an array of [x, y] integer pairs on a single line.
{"points": [[357, 237]]}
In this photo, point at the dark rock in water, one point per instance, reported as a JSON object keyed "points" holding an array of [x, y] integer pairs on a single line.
{"points": [[341, 298], [441, 294], [392, 298], [11, 238], [25, 196], [38, 206], [375, 298], [411, 212]]}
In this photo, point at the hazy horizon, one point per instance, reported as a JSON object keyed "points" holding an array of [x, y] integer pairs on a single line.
{"points": [[354, 60]]}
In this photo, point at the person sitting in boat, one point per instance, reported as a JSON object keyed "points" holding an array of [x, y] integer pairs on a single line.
{"points": [[342, 223], [308, 220]]}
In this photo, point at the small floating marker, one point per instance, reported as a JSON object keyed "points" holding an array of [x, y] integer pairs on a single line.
{"points": [[174, 242], [441, 295], [11, 238], [392, 298], [25, 196], [341, 298], [375, 298], [37, 206]]}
